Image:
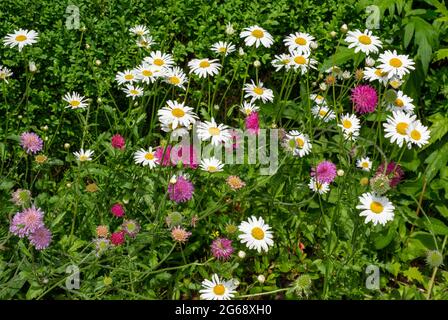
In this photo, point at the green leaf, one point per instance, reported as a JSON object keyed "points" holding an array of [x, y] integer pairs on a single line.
{"points": [[434, 225], [438, 128], [441, 54], [413, 274], [343, 55], [436, 162]]}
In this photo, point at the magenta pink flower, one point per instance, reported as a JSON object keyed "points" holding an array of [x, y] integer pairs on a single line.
{"points": [[253, 123], [222, 248], [117, 238], [26, 222], [31, 142], [365, 98], [163, 155], [324, 172], [191, 159], [235, 140], [117, 210], [181, 191], [118, 142], [40, 238], [393, 172]]}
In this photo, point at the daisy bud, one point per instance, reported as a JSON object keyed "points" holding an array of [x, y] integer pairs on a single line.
{"points": [[87, 46], [98, 62], [229, 29], [83, 29], [20, 116], [45, 138], [314, 45], [32, 66], [434, 258], [135, 104], [370, 62], [261, 278], [125, 200], [66, 145], [340, 172], [99, 100], [395, 83], [323, 86], [333, 34], [359, 74], [241, 51], [68, 185], [241, 254], [236, 282], [216, 107], [257, 64], [44, 128], [344, 28], [45, 280], [364, 181], [173, 180], [346, 75]]}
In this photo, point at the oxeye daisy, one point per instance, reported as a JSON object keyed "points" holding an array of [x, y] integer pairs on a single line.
{"points": [[31, 142], [211, 165], [301, 145], [350, 126], [256, 234], [128, 77], [323, 112], [320, 187], [83, 156], [375, 74], [75, 100], [145, 42], [176, 114], [5, 73], [204, 67], [133, 91], [222, 47], [146, 157], [402, 102], [147, 73], [364, 164], [178, 132], [139, 30], [256, 35], [396, 127], [376, 209], [176, 77], [418, 134], [299, 42], [363, 41], [20, 38], [159, 59], [282, 61], [210, 130], [318, 99], [395, 64], [248, 107], [217, 289], [302, 62], [258, 92]]}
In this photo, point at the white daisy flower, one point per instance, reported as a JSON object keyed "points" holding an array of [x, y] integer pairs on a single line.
{"points": [[256, 35], [299, 42], [299, 142], [395, 64], [318, 99], [139, 30], [217, 289], [75, 100], [176, 77], [204, 67], [350, 126], [256, 234], [211, 165], [376, 209], [323, 112], [258, 92], [223, 47], [133, 91], [364, 164], [418, 134], [5, 73], [145, 42], [282, 61], [146, 157], [320, 187], [159, 59], [248, 107], [363, 41], [396, 127], [128, 76], [302, 62], [20, 38], [402, 102], [217, 133], [373, 74], [176, 114], [148, 73], [84, 155]]}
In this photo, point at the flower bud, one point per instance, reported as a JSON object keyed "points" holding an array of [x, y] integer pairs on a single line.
{"points": [[261, 278], [66, 145], [333, 34], [257, 64], [32, 66], [98, 62], [344, 28], [241, 254], [370, 62], [340, 172]]}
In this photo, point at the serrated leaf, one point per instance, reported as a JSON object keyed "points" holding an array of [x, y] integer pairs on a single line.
{"points": [[436, 161], [413, 274], [438, 128]]}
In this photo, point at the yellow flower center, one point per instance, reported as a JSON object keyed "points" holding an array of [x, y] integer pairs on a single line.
{"points": [[257, 233], [300, 41], [286, 61], [219, 289], [258, 90], [83, 157], [41, 158], [147, 73], [222, 49], [134, 92], [129, 77], [347, 124], [257, 33], [214, 131], [365, 164], [323, 113], [139, 32], [380, 73], [399, 103], [149, 156], [21, 37], [204, 64], [300, 60], [395, 62], [174, 80], [158, 62], [364, 39], [300, 142], [376, 207], [416, 135], [402, 127], [75, 103], [177, 112], [212, 168]]}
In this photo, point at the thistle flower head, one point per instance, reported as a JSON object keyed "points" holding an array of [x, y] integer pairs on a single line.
{"points": [[434, 258]]}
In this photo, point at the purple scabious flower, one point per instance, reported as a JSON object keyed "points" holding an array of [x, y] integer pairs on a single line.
{"points": [[181, 190], [222, 248], [26, 222], [31, 142], [130, 227], [393, 172], [324, 172], [365, 99], [40, 238], [21, 197]]}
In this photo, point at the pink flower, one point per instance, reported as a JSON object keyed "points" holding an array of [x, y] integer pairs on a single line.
{"points": [[117, 238], [118, 142], [393, 172], [117, 210], [31, 142], [189, 152], [253, 123], [163, 155], [222, 248], [365, 98], [179, 234], [26, 222], [324, 172], [181, 191], [40, 238]]}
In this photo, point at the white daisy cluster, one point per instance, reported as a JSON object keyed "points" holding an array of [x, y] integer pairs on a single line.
{"points": [[298, 143], [320, 108], [403, 128]]}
